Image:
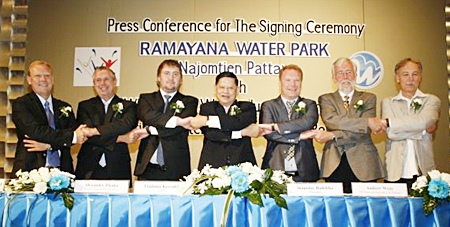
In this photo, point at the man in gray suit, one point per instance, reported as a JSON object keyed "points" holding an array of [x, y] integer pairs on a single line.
{"points": [[287, 122], [412, 116], [349, 116]]}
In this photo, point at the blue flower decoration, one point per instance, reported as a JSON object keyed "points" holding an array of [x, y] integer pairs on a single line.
{"points": [[233, 169], [438, 188], [239, 181], [59, 182]]}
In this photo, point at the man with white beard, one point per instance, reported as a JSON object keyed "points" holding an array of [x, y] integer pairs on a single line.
{"points": [[349, 116]]}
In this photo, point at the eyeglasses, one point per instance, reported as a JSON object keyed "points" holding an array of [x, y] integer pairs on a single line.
{"points": [[348, 73]]}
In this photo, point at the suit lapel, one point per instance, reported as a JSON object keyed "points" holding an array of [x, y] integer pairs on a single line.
{"points": [[402, 106], [281, 107], [356, 96], [57, 112], [174, 99], [296, 114], [159, 101], [339, 103], [220, 110], [38, 105], [110, 114]]}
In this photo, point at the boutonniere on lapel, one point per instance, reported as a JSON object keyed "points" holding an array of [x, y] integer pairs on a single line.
{"points": [[117, 108], [359, 105], [300, 107], [65, 110], [178, 106], [416, 104], [234, 110]]}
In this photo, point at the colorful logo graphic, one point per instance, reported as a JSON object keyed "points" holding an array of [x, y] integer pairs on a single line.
{"points": [[370, 69], [87, 59]]}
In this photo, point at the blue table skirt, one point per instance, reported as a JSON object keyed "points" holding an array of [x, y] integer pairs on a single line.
{"points": [[30, 209]]}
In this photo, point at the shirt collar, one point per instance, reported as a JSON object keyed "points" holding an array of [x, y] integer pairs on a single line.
{"points": [[418, 94], [106, 103], [165, 93], [286, 100], [50, 101], [350, 95]]}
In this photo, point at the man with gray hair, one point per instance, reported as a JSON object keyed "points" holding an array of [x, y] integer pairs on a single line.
{"points": [[411, 117], [350, 117]]}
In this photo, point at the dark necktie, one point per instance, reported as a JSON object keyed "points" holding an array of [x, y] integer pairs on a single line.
{"points": [[102, 161], [52, 155], [291, 150], [346, 102], [159, 149]]}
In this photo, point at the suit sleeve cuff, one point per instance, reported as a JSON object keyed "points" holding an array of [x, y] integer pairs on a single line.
{"points": [[74, 138], [236, 135], [172, 123], [153, 130], [214, 122]]}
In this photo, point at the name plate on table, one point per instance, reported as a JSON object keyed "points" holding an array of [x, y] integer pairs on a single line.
{"points": [[315, 189], [159, 187], [2, 185], [102, 186], [379, 189]]}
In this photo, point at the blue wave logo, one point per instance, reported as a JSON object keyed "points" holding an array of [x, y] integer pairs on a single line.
{"points": [[370, 69]]}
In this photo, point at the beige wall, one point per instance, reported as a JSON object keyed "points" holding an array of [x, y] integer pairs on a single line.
{"points": [[394, 30]]}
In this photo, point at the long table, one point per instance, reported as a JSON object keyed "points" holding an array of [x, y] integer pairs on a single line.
{"points": [[29, 209]]}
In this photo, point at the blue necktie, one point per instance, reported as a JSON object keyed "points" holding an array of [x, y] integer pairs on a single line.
{"points": [[159, 150], [52, 155]]}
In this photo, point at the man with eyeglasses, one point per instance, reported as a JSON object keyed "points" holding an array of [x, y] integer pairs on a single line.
{"points": [[349, 116]]}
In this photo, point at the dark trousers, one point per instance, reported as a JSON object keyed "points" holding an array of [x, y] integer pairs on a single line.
{"points": [[343, 173], [154, 172], [101, 173]]}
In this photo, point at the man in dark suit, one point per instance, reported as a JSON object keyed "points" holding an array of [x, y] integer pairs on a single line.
{"points": [[288, 121], [227, 125], [349, 116], [45, 126], [105, 154], [166, 114]]}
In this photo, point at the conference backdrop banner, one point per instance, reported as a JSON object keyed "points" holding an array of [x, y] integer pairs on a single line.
{"points": [[254, 39]]}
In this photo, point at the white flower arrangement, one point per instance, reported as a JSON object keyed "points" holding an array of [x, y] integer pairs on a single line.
{"points": [[234, 110], [178, 106], [44, 180], [416, 104], [359, 105], [434, 188], [244, 180], [300, 107], [65, 110], [117, 108]]}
